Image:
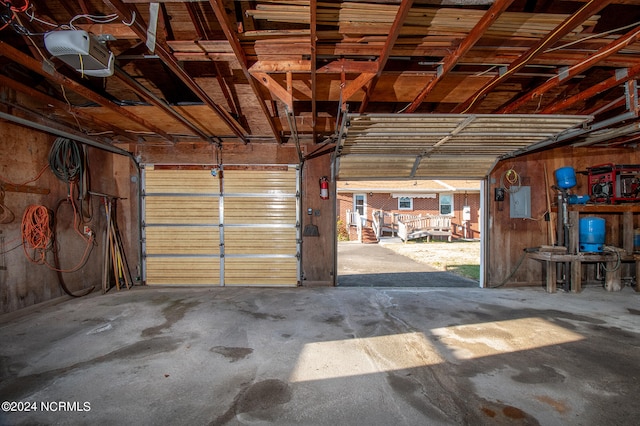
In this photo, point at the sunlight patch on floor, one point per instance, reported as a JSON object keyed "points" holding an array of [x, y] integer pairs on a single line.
{"points": [[360, 356], [500, 337]]}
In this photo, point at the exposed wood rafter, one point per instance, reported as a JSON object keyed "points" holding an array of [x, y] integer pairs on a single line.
{"points": [[71, 110], [232, 38], [620, 77], [163, 52], [603, 53], [38, 67], [493, 13], [398, 21], [147, 95], [585, 12]]}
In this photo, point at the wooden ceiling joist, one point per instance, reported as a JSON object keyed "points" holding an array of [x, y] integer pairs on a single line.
{"points": [[232, 38], [163, 52], [151, 98], [203, 34], [494, 12], [401, 15], [75, 112], [39, 68], [603, 53], [620, 77], [275, 88], [584, 13]]}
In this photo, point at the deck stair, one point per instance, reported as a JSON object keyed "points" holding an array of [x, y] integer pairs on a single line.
{"points": [[369, 236]]}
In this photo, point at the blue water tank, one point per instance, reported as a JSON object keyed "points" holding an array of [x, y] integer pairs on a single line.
{"points": [[591, 234], [565, 177]]}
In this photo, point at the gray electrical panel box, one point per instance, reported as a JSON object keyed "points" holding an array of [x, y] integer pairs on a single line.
{"points": [[520, 203]]}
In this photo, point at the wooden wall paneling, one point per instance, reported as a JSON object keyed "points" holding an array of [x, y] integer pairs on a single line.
{"points": [[318, 253], [23, 154], [509, 237]]}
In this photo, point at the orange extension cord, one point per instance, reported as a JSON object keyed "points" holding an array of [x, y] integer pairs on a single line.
{"points": [[36, 232], [38, 236]]}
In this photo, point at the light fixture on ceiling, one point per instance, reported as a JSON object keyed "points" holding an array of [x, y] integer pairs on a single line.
{"points": [[82, 51]]}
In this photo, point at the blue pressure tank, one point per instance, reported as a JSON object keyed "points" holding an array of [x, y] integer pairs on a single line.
{"points": [[565, 177], [591, 234]]}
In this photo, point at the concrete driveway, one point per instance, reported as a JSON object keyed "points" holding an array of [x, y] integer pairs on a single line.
{"points": [[373, 265], [324, 356]]}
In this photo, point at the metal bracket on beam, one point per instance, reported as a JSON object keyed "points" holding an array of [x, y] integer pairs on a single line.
{"points": [[622, 73], [563, 73], [416, 164], [631, 94]]}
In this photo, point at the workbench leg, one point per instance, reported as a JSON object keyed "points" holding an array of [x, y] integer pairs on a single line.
{"points": [[551, 276], [612, 281], [576, 276]]}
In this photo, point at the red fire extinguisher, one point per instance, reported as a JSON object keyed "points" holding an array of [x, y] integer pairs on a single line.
{"points": [[324, 188]]}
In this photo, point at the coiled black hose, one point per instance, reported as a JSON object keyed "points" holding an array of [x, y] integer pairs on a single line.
{"points": [[66, 160]]}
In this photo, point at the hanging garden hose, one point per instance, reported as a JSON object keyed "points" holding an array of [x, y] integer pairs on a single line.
{"points": [[66, 160]]}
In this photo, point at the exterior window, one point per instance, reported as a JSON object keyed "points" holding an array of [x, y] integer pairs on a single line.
{"points": [[405, 203], [446, 204], [359, 202]]}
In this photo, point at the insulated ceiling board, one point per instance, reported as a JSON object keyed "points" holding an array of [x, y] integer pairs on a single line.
{"points": [[402, 146]]}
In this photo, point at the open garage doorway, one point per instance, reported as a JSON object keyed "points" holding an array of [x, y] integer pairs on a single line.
{"points": [[419, 233], [421, 148]]}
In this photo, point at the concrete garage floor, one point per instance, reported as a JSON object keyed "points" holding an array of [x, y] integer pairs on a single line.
{"points": [[326, 356]]}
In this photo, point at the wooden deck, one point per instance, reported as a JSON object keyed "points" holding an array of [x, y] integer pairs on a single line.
{"points": [[425, 226]]}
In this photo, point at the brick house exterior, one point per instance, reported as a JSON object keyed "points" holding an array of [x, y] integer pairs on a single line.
{"points": [[415, 198]]}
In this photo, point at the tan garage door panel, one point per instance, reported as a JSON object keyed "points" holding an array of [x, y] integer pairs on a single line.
{"points": [[181, 226], [183, 210], [267, 271], [183, 240], [183, 270], [244, 231], [259, 210], [260, 241], [261, 232]]}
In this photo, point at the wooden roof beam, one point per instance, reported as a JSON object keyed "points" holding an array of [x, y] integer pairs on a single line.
{"points": [[37, 67], [62, 106], [585, 12], [285, 95], [196, 17], [390, 41], [620, 77], [602, 53], [490, 16], [232, 38], [163, 52], [148, 96]]}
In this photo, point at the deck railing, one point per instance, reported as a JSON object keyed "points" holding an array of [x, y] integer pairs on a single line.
{"points": [[425, 226]]}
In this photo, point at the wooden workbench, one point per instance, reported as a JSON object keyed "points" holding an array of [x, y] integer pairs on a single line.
{"points": [[576, 258]]}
